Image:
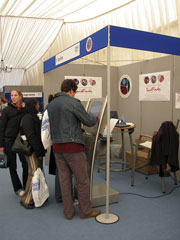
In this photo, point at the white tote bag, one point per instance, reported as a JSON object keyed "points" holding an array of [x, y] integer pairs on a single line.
{"points": [[40, 191], [45, 131]]}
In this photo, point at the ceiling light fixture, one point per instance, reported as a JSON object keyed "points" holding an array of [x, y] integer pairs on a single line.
{"points": [[4, 67]]}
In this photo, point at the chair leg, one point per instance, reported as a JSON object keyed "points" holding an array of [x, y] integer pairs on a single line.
{"points": [[133, 166], [98, 165], [148, 164], [163, 185], [175, 178]]}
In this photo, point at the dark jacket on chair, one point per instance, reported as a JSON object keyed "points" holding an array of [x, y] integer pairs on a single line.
{"points": [[165, 146]]}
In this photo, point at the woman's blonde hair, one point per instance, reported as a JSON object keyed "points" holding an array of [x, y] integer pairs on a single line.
{"points": [[18, 91]]}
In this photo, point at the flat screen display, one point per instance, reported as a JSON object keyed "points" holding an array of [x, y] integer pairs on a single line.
{"points": [[114, 114], [95, 108]]}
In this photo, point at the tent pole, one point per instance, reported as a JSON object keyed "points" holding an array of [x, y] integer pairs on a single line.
{"points": [[108, 217]]}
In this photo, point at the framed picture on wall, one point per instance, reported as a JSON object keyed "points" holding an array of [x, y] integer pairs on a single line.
{"points": [[154, 86], [125, 86], [88, 87]]}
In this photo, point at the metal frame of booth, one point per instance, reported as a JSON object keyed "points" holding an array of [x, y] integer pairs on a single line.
{"points": [[117, 37]]}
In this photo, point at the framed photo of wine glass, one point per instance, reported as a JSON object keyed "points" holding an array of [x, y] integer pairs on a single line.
{"points": [[125, 86]]}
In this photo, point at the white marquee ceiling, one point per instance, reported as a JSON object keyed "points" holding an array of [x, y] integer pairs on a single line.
{"points": [[34, 30], [28, 27]]}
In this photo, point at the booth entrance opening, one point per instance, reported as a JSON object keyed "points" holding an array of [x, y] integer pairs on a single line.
{"points": [[113, 36]]}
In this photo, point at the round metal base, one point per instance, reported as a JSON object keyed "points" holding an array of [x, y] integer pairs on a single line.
{"points": [[107, 218]]}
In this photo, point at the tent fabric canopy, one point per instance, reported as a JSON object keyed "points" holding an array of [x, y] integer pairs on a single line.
{"points": [[32, 31]]}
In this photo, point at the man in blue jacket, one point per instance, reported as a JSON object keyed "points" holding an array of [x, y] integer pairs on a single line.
{"points": [[66, 114]]}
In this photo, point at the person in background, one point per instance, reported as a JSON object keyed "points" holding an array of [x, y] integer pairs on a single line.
{"points": [[3, 104], [31, 128], [9, 128], [66, 114], [52, 167], [50, 98]]}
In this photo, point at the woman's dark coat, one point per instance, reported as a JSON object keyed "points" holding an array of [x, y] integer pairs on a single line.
{"points": [[9, 124], [31, 127]]}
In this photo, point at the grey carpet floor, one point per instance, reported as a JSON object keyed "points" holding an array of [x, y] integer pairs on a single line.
{"points": [[144, 212]]}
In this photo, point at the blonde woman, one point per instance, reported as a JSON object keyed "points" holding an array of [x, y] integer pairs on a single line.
{"points": [[9, 127]]}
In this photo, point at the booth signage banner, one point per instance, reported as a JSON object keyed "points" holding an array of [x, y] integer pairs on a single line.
{"points": [[32, 94], [154, 86], [88, 87], [68, 54], [90, 44]]}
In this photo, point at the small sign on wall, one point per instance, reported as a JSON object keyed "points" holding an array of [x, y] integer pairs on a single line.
{"points": [[88, 87], [32, 94], [154, 86], [177, 101]]}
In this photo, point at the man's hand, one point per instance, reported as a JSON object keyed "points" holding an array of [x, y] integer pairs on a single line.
{"points": [[97, 118], [83, 130]]}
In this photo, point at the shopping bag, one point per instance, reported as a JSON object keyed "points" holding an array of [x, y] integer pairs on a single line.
{"points": [[40, 191], [45, 130], [3, 160]]}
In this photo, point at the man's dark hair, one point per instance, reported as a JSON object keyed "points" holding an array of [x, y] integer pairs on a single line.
{"points": [[67, 85]]}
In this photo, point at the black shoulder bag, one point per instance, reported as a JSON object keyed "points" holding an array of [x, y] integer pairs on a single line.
{"points": [[21, 145]]}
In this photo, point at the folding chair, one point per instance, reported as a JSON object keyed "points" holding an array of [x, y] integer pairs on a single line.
{"points": [[145, 142]]}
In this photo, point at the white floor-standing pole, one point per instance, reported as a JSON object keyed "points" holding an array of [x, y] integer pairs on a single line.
{"points": [[108, 217]]}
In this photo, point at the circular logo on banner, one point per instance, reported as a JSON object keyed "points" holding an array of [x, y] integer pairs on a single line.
{"points": [[76, 81], [146, 80], [161, 78], [89, 44], [92, 82], [153, 79], [84, 81], [125, 86]]}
